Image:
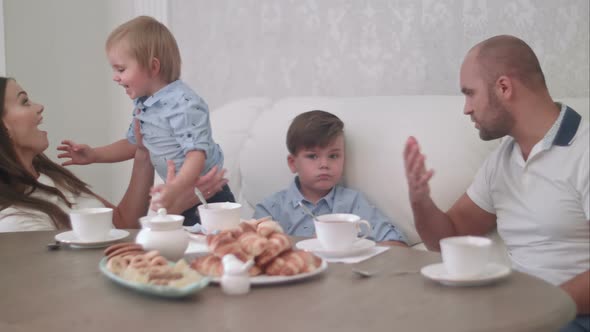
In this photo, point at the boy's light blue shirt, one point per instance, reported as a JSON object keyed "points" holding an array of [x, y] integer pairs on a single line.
{"points": [[174, 121], [283, 207]]}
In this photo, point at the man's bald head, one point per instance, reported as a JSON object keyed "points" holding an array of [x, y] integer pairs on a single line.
{"points": [[509, 56]]}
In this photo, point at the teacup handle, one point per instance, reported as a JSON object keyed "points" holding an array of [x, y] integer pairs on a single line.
{"points": [[366, 223]]}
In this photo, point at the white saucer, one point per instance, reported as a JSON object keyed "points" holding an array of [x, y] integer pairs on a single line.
{"points": [[199, 238], [493, 272], [70, 238], [314, 246]]}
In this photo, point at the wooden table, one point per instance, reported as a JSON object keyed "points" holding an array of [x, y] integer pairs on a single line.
{"points": [[63, 290]]}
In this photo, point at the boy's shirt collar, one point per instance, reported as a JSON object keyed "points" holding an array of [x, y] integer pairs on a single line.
{"points": [[294, 195], [148, 101]]}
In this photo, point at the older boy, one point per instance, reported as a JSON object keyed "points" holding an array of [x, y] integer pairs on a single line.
{"points": [[315, 141]]}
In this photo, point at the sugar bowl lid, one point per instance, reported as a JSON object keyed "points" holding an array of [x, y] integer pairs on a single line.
{"points": [[163, 218]]}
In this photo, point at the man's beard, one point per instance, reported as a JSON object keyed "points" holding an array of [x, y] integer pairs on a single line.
{"points": [[500, 120]]}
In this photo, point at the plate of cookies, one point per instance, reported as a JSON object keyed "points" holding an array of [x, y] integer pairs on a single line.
{"points": [[149, 272], [263, 241]]}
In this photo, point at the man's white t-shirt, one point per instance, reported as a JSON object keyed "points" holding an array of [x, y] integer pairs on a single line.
{"points": [[18, 219], [542, 204]]}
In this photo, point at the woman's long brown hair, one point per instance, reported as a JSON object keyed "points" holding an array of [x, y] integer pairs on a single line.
{"points": [[17, 185]]}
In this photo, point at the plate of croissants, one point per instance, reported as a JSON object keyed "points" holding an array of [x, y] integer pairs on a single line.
{"points": [[264, 241]]}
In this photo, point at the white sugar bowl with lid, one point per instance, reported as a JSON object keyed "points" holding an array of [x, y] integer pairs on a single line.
{"points": [[163, 232]]}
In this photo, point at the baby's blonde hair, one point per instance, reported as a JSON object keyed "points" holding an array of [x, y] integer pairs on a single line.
{"points": [[146, 38]]}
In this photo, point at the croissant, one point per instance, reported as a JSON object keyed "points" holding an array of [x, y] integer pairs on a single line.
{"points": [[277, 243], [211, 265], [233, 232], [252, 243], [219, 239], [225, 243], [261, 239], [293, 262], [267, 227], [254, 271], [254, 222], [246, 227]]}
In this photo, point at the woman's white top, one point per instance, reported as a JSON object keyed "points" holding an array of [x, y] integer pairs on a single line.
{"points": [[19, 219]]}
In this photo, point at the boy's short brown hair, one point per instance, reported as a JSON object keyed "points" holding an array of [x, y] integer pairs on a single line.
{"points": [[312, 129], [146, 39]]}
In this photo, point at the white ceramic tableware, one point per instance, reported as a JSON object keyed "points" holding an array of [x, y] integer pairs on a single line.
{"points": [[72, 240], [465, 256], [164, 233], [219, 216], [361, 246], [339, 231], [91, 224], [235, 279], [152, 289], [493, 272]]}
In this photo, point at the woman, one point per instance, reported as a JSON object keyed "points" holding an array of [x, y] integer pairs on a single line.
{"points": [[37, 194]]}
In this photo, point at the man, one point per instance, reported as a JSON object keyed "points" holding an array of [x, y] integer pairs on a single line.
{"points": [[534, 187]]}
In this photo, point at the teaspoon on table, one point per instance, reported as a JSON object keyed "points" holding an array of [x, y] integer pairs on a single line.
{"points": [[367, 273], [54, 245]]}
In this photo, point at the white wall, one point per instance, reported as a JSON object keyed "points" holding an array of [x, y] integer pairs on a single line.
{"points": [[236, 49], [120, 105], [55, 50]]}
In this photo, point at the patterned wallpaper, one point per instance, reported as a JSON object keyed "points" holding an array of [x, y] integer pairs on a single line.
{"points": [[241, 48]]}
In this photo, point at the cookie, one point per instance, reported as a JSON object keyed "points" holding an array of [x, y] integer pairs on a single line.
{"points": [[114, 247]]}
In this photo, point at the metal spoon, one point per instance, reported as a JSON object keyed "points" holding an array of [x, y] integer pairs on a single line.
{"points": [[201, 197], [54, 245], [367, 274], [308, 211]]}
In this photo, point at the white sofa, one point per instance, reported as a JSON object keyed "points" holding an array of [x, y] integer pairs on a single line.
{"points": [[252, 135]]}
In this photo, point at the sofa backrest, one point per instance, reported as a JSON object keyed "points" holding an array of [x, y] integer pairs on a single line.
{"points": [[252, 134]]}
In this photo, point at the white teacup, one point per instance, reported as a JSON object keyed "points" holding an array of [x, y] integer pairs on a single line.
{"points": [[339, 231], [465, 256], [92, 224], [219, 216]]}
